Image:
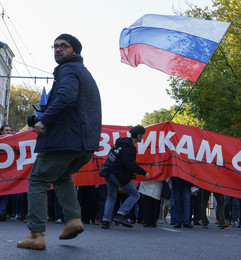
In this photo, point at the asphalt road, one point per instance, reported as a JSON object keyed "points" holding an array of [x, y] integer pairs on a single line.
{"points": [[117, 243]]}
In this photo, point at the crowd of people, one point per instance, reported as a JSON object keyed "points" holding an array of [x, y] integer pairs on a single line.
{"points": [[154, 207]]}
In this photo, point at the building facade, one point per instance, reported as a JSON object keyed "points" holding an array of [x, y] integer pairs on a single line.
{"points": [[6, 57]]}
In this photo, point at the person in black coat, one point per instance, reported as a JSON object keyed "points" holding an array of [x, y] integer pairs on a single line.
{"points": [[68, 134], [120, 168]]}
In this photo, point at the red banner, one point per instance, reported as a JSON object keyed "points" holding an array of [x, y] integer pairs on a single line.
{"points": [[209, 160]]}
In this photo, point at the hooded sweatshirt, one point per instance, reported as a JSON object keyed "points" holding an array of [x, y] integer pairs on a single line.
{"points": [[121, 160]]}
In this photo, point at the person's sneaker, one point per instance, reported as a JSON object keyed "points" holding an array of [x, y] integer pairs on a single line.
{"points": [[205, 226], [120, 219], [34, 241], [177, 225], [72, 228], [161, 221], [165, 221], [98, 222], [187, 225], [235, 224], [59, 221], [105, 225], [16, 216], [197, 223], [222, 226], [25, 220], [140, 221], [145, 225]]}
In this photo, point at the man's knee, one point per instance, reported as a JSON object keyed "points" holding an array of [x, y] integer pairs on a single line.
{"points": [[135, 194], [38, 187]]}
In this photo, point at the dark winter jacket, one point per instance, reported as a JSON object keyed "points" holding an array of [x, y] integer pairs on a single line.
{"points": [[73, 112], [121, 160]]}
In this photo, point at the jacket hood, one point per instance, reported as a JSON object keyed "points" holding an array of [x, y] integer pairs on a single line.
{"points": [[124, 141]]}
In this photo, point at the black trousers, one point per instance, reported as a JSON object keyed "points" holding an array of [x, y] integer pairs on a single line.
{"points": [[151, 210], [220, 207]]}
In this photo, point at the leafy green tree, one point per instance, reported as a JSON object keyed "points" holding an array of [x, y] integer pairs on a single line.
{"points": [[185, 116], [20, 106], [157, 116], [215, 100]]}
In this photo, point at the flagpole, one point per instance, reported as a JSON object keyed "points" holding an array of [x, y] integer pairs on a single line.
{"points": [[193, 85], [184, 99], [199, 75]]}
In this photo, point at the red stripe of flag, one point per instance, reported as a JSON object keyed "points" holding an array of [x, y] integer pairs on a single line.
{"points": [[170, 63]]}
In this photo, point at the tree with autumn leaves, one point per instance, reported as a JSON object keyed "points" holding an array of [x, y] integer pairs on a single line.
{"points": [[21, 100]]}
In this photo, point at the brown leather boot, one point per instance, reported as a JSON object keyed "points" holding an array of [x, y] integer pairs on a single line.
{"points": [[72, 228], [34, 241]]}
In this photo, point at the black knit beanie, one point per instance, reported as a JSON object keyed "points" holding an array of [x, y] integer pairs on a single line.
{"points": [[73, 41], [136, 130]]}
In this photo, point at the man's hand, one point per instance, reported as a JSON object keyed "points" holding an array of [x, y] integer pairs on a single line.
{"points": [[147, 176], [39, 128]]}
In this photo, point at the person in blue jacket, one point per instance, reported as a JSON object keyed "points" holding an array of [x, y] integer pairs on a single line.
{"points": [[68, 134], [120, 167]]}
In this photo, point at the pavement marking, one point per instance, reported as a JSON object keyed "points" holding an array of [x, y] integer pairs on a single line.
{"points": [[170, 229]]}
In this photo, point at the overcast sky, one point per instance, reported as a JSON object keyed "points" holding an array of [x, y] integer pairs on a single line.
{"points": [[127, 93]]}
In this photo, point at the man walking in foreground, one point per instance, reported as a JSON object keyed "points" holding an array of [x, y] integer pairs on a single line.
{"points": [[68, 134], [121, 166]]}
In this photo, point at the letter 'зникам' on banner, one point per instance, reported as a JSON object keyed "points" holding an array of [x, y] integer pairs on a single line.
{"points": [[209, 160]]}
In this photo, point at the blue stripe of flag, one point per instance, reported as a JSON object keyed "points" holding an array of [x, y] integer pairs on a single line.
{"points": [[184, 44]]}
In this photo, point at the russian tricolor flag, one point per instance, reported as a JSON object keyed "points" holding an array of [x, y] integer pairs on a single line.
{"points": [[177, 45]]}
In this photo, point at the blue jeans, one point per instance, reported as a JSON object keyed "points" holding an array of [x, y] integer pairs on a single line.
{"points": [[173, 218], [231, 202], [182, 200], [3, 204], [112, 187]]}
